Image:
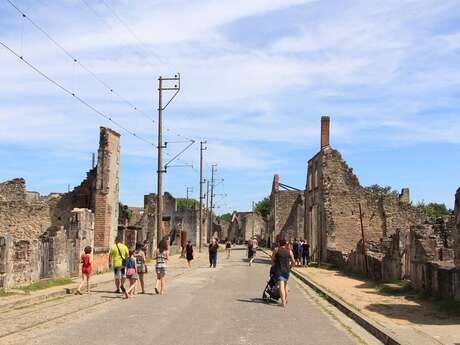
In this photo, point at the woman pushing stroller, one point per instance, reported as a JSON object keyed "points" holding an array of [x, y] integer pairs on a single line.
{"points": [[282, 259]]}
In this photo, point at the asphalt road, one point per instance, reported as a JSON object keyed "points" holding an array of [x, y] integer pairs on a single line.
{"points": [[202, 306]]}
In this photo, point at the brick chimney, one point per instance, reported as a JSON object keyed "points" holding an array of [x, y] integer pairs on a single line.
{"points": [[325, 124], [276, 184]]}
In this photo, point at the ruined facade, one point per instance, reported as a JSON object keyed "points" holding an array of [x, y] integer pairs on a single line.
{"points": [[43, 236], [179, 223], [246, 225], [336, 205], [286, 217]]}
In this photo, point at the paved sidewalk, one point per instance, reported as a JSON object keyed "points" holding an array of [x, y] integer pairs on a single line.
{"points": [[20, 300], [414, 322]]}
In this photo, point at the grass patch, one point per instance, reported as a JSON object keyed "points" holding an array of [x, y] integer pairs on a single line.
{"points": [[397, 289], [4, 293], [44, 284]]}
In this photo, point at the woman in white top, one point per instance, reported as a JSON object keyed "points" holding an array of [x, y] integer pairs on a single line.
{"points": [[161, 256]]}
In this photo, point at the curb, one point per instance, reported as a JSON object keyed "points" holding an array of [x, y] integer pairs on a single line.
{"points": [[44, 297], [370, 326]]}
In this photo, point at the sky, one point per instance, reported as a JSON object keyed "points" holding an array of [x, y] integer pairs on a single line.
{"points": [[256, 77]]}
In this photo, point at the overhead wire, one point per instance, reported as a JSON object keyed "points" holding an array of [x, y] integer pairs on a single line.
{"points": [[77, 61], [142, 45], [72, 94]]}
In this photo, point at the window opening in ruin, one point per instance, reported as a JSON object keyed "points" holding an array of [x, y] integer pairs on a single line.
{"points": [[316, 178]]}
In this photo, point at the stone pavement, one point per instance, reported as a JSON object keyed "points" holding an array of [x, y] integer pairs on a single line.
{"points": [[202, 306], [415, 322]]}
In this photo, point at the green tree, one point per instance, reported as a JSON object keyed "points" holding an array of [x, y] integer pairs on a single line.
{"points": [[263, 207], [226, 216], [432, 210], [381, 190], [185, 203]]}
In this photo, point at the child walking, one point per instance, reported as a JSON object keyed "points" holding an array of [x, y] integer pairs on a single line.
{"points": [[131, 274], [86, 269]]}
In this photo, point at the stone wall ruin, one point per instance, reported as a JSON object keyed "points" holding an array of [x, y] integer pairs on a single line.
{"points": [[44, 236]]}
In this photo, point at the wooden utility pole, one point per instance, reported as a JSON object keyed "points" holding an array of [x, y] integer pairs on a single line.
{"points": [[160, 169], [200, 231], [362, 237], [159, 208], [211, 199]]}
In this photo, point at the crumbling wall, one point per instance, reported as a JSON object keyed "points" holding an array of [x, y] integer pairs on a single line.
{"points": [[333, 199], [286, 215], [432, 267]]}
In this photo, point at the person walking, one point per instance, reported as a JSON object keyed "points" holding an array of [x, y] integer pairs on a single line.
{"points": [[253, 249], [161, 256], [131, 274], [305, 253], [86, 269], [295, 250], [300, 249], [117, 260], [213, 248], [228, 247], [140, 264], [189, 253], [282, 259]]}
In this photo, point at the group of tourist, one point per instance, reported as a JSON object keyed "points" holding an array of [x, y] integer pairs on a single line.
{"points": [[130, 264], [301, 252]]}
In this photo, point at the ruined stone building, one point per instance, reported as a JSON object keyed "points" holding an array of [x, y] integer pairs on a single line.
{"points": [[336, 204], [286, 217], [179, 223], [43, 236], [246, 225]]}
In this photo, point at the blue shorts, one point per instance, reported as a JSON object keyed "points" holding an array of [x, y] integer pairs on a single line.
{"points": [[282, 277], [119, 272]]}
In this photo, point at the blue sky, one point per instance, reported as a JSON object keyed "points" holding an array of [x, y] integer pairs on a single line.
{"points": [[256, 77]]}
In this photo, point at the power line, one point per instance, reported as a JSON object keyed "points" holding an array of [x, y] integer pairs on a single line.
{"points": [[63, 88], [144, 51], [131, 32], [75, 60]]}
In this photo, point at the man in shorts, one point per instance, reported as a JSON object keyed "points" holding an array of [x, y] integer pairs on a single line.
{"points": [[117, 258]]}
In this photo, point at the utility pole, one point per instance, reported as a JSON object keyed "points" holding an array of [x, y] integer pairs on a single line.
{"points": [[207, 195], [211, 197], [189, 190], [200, 231], [160, 169]]}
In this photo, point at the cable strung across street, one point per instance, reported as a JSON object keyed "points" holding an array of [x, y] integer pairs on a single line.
{"points": [[81, 100]]}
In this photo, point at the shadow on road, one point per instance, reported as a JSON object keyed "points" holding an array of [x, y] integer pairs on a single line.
{"points": [[254, 300]]}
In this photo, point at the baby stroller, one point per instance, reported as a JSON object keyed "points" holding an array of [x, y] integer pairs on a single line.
{"points": [[271, 291]]}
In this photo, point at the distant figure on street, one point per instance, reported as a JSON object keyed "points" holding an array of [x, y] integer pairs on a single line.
{"points": [[300, 252], [282, 259], [305, 253], [213, 248], [228, 247], [253, 250], [141, 265], [161, 256], [295, 250], [189, 253], [86, 269], [117, 259], [131, 274]]}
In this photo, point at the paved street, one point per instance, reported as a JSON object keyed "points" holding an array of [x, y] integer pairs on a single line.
{"points": [[202, 306]]}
